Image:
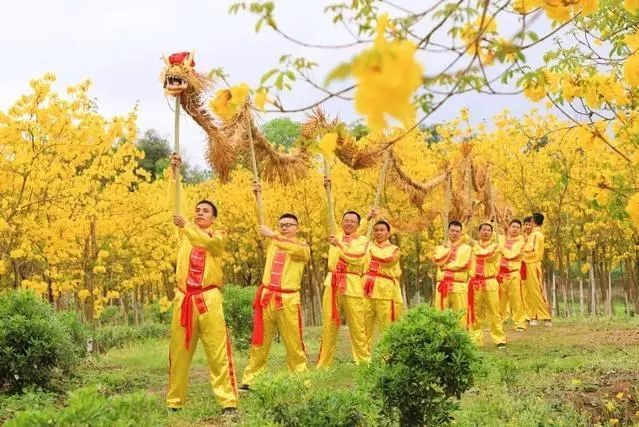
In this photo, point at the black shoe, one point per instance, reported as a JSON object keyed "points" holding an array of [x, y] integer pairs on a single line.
{"points": [[173, 409], [501, 345], [244, 387], [229, 411]]}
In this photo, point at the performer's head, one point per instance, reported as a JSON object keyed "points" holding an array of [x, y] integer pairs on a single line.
{"points": [[528, 225], [381, 231], [538, 219], [485, 231], [350, 222], [514, 228], [454, 231], [288, 225], [205, 213]]}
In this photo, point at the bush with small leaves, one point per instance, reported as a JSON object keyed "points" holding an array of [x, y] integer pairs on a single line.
{"points": [[421, 363], [34, 343], [238, 314], [305, 401]]}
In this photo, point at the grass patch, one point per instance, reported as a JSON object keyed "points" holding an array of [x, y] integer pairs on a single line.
{"points": [[579, 372]]}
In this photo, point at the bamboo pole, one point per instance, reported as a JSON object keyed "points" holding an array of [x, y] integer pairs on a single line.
{"points": [[176, 148], [447, 198], [380, 187], [329, 198], [256, 176]]}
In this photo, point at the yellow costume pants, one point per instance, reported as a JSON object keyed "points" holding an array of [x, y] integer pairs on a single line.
{"points": [[511, 303], [288, 321], [456, 301], [380, 313], [487, 313], [354, 309], [208, 326], [535, 303]]}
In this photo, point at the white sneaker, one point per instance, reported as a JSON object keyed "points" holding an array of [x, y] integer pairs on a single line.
{"points": [[534, 323], [548, 323]]}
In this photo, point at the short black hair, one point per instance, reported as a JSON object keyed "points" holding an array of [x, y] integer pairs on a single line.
{"points": [[538, 218], [359, 218], [527, 219], [382, 222], [514, 221], [456, 223], [210, 203], [486, 223], [289, 215]]}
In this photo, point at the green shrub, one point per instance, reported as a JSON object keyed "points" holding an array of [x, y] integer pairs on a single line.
{"points": [[34, 344], [111, 315], [153, 330], [238, 313], [304, 400], [78, 331], [108, 337], [421, 362], [154, 313], [86, 407]]}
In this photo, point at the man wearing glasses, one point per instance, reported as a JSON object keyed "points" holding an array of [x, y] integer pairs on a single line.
{"points": [[277, 302]]}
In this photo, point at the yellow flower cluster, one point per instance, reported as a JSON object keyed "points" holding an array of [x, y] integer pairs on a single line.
{"points": [[387, 75], [227, 102], [558, 10]]}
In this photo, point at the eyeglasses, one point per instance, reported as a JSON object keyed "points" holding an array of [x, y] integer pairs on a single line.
{"points": [[287, 224]]}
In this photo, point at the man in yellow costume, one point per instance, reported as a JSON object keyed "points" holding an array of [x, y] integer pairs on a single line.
{"points": [[277, 301], [381, 282], [533, 289], [343, 291], [453, 260], [483, 289], [198, 311], [509, 277]]}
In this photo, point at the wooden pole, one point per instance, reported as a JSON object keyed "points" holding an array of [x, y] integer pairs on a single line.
{"points": [[554, 295], [176, 148], [380, 187], [609, 293], [447, 198], [581, 296], [329, 198], [593, 295], [256, 176]]}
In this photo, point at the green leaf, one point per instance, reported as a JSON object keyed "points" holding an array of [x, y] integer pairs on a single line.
{"points": [[341, 72], [267, 75]]}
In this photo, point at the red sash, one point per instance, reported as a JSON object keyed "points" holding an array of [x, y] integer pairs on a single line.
{"points": [[338, 287], [477, 283], [262, 300], [186, 309], [523, 271]]}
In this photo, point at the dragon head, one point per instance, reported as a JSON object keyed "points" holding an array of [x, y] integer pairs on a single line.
{"points": [[178, 74]]}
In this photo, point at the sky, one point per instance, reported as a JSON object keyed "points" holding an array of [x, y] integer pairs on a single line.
{"points": [[118, 45]]}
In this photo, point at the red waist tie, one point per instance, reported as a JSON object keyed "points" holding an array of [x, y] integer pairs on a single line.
{"points": [[444, 288], [186, 309], [477, 283], [259, 303], [504, 272], [369, 284], [523, 271], [338, 287]]}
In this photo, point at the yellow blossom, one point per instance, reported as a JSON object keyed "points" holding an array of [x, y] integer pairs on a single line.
{"points": [[535, 92], [227, 102], [261, 99], [631, 70], [610, 405], [327, 144], [387, 75], [614, 421], [631, 5], [83, 294], [633, 209], [619, 395]]}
